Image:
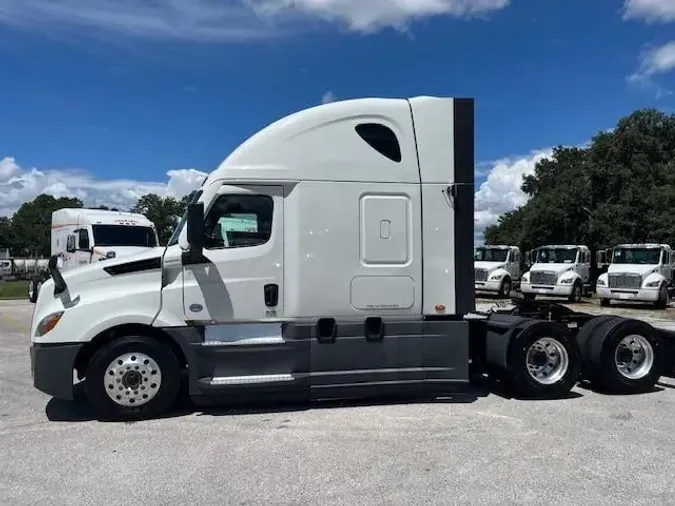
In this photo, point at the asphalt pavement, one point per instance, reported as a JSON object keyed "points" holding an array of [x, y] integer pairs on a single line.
{"points": [[492, 450]]}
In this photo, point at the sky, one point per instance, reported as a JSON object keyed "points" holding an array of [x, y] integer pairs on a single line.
{"points": [[111, 99]]}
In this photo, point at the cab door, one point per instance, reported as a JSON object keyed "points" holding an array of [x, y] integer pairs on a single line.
{"points": [[241, 276]]}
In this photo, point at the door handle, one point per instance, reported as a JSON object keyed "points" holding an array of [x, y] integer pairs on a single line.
{"points": [[271, 295]]}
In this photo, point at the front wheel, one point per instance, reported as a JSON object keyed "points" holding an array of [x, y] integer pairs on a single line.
{"points": [[505, 288], [662, 302], [577, 293], [32, 293], [133, 377]]}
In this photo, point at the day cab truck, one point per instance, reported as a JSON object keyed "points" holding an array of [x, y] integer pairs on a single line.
{"points": [[638, 273], [80, 236], [558, 271], [329, 256], [497, 269]]}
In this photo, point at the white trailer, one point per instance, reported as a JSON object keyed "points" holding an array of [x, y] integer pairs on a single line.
{"points": [[328, 256], [497, 269], [558, 270], [80, 236], [640, 273]]}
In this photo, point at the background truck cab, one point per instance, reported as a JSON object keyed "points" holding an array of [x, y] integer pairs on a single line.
{"points": [[497, 269], [558, 271], [638, 272], [80, 236]]}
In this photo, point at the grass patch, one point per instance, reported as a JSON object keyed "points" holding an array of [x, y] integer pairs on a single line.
{"points": [[13, 290]]}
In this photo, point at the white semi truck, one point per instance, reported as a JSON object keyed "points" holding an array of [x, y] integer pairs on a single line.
{"points": [[80, 236], [640, 273], [497, 269], [328, 256], [558, 270]]}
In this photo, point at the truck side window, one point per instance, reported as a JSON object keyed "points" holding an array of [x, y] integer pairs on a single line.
{"points": [[381, 138], [83, 238], [236, 221]]}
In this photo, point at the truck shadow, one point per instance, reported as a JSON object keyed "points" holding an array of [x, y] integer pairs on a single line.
{"points": [[78, 410]]}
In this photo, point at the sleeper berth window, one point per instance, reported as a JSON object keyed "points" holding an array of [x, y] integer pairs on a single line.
{"points": [[381, 138]]}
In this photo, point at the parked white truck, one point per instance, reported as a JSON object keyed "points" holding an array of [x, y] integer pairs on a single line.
{"points": [[638, 272], [559, 270], [80, 236], [497, 269], [328, 256]]}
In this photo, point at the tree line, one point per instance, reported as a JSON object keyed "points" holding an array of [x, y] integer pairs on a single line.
{"points": [[618, 189], [27, 233]]}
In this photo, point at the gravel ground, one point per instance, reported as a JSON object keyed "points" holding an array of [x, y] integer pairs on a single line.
{"points": [[588, 449]]}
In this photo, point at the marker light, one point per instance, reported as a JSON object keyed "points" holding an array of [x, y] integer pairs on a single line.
{"points": [[48, 323]]}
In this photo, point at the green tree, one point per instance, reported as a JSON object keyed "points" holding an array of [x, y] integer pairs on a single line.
{"points": [[31, 224], [162, 211], [621, 188]]}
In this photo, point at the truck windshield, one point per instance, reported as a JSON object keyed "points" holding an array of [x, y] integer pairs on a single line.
{"points": [[490, 255], [642, 256], [124, 235], [557, 255]]}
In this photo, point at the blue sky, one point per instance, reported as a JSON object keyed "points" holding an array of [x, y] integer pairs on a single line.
{"points": [[99, 94]]}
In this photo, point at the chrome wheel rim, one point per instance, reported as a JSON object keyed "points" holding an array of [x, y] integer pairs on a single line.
{"points": [[634, 357], [547, 361], [132, 379]]}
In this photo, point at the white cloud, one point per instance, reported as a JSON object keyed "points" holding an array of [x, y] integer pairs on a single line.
{"points": [[19, 185], [501, 193], [655, 61], [650, 10], [228, 20], [328, 97]]}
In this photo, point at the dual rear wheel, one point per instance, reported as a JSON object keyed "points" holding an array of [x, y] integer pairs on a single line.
{"points": [[614, 354]]}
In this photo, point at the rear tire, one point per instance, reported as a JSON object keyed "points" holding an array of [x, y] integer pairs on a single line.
{"points": [[544, 361], [624, 356], [132, 378]]}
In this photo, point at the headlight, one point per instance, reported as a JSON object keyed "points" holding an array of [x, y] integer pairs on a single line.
{"points": [[600, 282], [496, 277], [653, 284], [566, 281], [110, 254], [48, 323]]}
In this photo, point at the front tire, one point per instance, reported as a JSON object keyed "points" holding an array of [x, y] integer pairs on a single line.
{"points": [[132, 378], [505, 288], [32, 293], [577, 293], [662, 303]]}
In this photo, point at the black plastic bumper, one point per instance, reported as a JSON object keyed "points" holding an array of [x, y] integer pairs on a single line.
{"points": [[52, 368]]}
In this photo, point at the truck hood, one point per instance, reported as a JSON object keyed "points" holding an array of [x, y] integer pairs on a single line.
{"points": [[490, 266], [557, 268], [120, 251], [95, 270], [631, 269]]}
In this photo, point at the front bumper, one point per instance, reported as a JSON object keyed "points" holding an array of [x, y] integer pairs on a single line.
{"points": [[51, 366], [552, 290], [487, 286], [643, 294]]}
